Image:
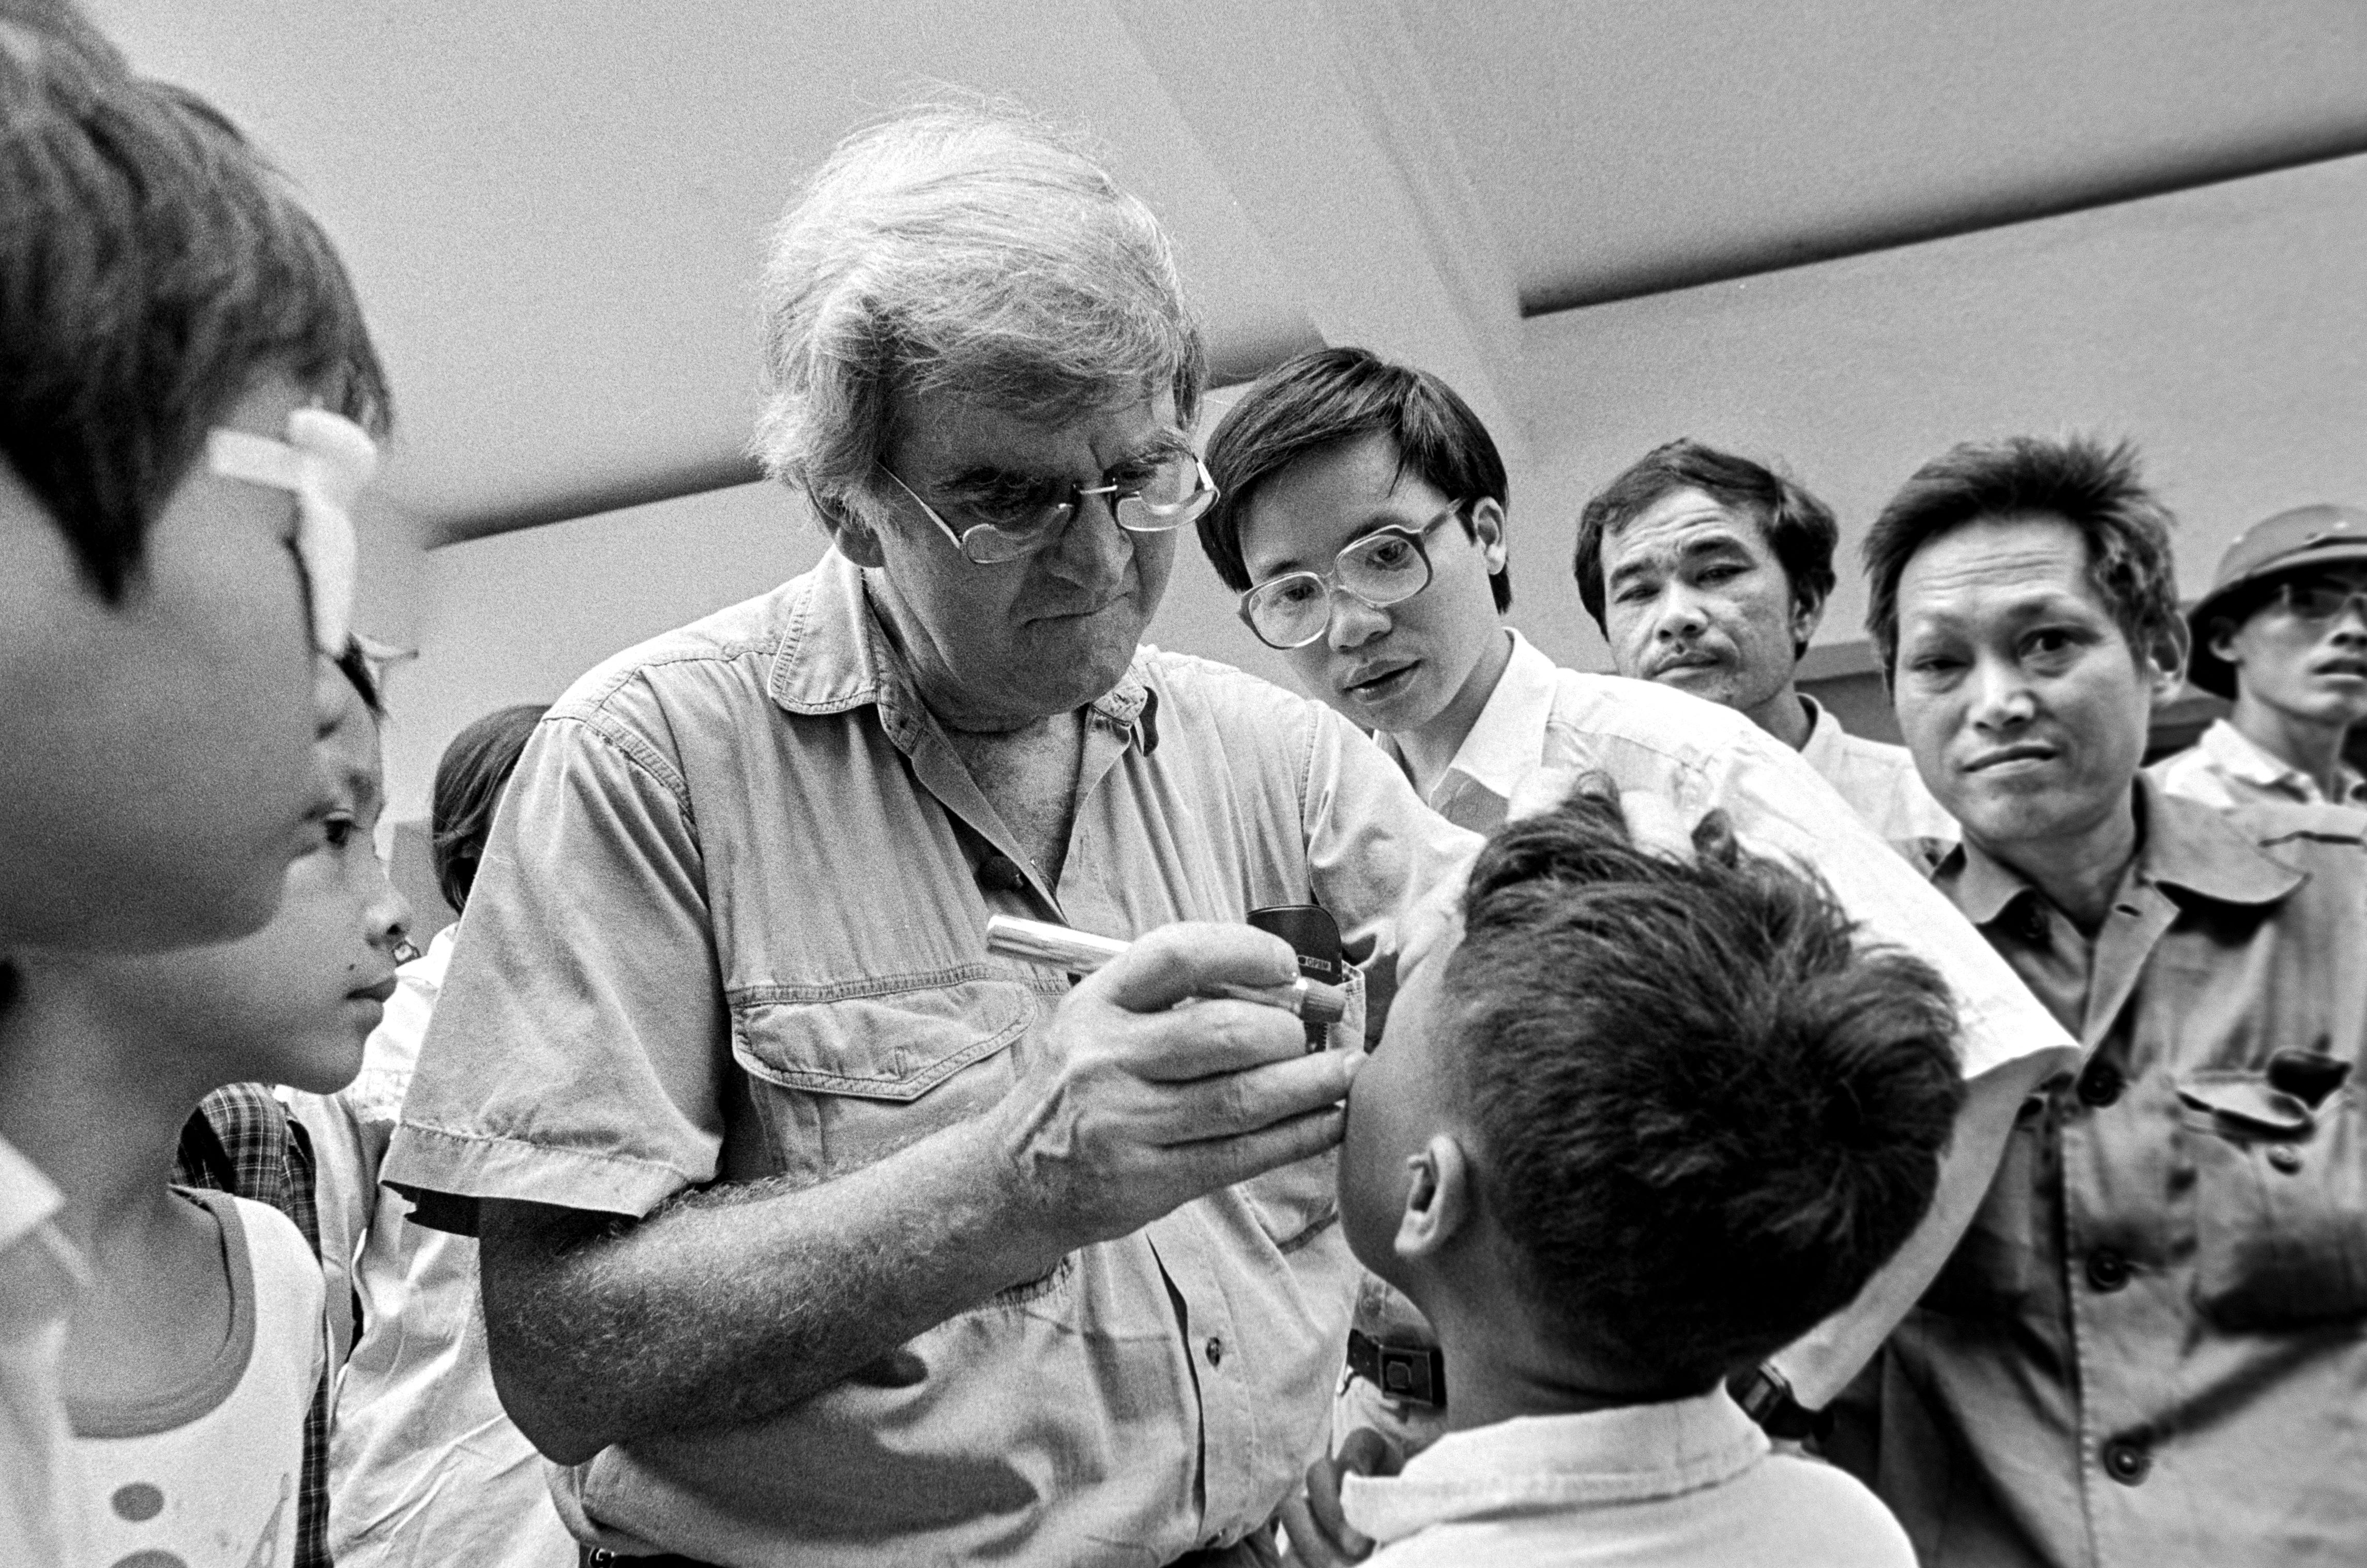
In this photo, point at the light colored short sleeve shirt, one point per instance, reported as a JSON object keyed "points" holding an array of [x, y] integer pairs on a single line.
{"points": [[206, 1476], [1685, 1485], [730, 924], [1878, 780], [2226, 767], [40, 1273]]}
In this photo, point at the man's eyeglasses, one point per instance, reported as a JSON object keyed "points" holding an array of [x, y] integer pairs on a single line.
{"points": [[2319, 602], [324, 463], [1386, 567], [1155, 496]]}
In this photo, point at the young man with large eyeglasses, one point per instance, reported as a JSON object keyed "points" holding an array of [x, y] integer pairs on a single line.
{"points": [[2282, 632], [1361, 512]]}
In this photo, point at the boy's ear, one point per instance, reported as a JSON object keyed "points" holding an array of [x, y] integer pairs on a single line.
{"points": [[1439, 1200], [1488, 529]]}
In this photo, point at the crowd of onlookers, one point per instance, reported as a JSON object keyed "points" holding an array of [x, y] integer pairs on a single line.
{"points": [[1747, 1141]]}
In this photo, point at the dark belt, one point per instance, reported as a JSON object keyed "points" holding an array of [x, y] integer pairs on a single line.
{"points": [[601, 1557]]}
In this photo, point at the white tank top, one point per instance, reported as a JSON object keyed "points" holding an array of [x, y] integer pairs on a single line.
{"points": [[205, 1475]]}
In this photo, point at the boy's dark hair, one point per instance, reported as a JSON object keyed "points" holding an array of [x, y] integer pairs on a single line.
{"points": [[1321, 399], [1798, 527], [152, 269], [1707, 1114], [469, 782], [2092, 487]]}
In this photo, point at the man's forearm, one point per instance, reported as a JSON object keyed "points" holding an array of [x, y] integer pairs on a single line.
{"points": [[732, 1305], [1821, 1362]]}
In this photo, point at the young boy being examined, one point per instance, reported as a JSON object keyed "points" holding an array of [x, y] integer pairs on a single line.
{"points": [[1637, 1120], [1362, 514], [196, 1349], [161, 592]]}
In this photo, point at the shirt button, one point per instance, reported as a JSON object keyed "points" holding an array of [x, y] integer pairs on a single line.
{"points": [[2126, 1459], [2101, 1084], [1215, 1350], [2107, 1270], [2286, 1157], [1000, 874]]}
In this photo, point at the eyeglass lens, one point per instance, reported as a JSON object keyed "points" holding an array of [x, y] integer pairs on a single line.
{"points": [[1381, 568], [2321, 601], [1152, 499]]}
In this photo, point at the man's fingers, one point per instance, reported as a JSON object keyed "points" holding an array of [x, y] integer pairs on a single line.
{"points": [[1192, 959], [1201, 1039], [1369, 1453], [1229, 1104], [1356, 1457], [1220, 1162]]}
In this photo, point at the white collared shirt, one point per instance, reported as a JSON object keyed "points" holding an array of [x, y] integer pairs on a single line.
{"points": [[2229, 768], [1878, 780], [1667, 752], [40, 1273], [1645, 1485]]}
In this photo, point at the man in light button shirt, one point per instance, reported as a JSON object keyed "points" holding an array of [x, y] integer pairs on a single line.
{"points": [[812, 1232], [1708, 572], [1344, 480]]}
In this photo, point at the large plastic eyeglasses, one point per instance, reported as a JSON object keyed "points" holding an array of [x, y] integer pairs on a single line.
{"points": [[1386, 567], [1156, 498], [2319, 602]]}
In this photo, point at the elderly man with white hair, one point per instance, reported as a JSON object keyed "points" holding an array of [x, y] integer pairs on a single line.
{"points": [[812, 1232]]}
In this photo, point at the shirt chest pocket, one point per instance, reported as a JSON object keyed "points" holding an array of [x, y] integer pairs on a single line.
{"points": [[2281, 1198], [837, 1085]]}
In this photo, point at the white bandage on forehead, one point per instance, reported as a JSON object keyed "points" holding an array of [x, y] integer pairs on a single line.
{"points": [[324, 463]]}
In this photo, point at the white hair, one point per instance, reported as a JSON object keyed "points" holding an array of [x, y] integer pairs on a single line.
{"points": [[966, 250]]}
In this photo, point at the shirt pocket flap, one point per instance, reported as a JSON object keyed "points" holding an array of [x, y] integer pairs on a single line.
{"points": [[2248, 1100], [896, 1046]]}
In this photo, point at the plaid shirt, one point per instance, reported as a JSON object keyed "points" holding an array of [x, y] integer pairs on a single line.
{"points": [[238, 1140]]}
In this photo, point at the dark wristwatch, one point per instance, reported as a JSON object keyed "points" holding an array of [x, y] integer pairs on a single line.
{"points": [[1765, 1396], [1415, 1373]]}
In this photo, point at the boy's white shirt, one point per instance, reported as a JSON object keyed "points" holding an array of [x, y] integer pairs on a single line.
{"points": [[40, 1273], [207, 1474], [1686, 1482], [1673, 758]]}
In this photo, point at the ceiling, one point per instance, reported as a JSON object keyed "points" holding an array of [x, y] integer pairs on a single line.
{"points": [[556, 208]]}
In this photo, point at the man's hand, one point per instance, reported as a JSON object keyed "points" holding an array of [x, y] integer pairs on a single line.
{"points": [[1320, 1536], [1139, 1098]]}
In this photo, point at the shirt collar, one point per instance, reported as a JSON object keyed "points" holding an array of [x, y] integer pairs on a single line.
{"points": [[1507, 738], [1629, 1454], [2238, 756], [2186, 846], [835, 657], [1825, 732]]}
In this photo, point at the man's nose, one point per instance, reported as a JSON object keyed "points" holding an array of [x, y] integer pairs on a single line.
{"points": [[2351, 624], [1092, 548], [1679, 616], [1353, 623], [2002, 698]]}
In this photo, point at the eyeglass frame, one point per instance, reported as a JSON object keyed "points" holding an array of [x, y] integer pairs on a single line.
{"points": [[1330, 584], [1187, 510]]}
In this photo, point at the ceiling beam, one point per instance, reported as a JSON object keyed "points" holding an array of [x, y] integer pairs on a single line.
{"points": [[1317, 116]]}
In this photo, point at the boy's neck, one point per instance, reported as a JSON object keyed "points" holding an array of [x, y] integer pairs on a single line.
{"points": [[1499, 1367], [1430, 751], [72, 1102]]}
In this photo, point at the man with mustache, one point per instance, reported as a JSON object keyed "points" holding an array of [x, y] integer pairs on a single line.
{"points": [[2281, 632], [1708, 572], [2147, 1347]]}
